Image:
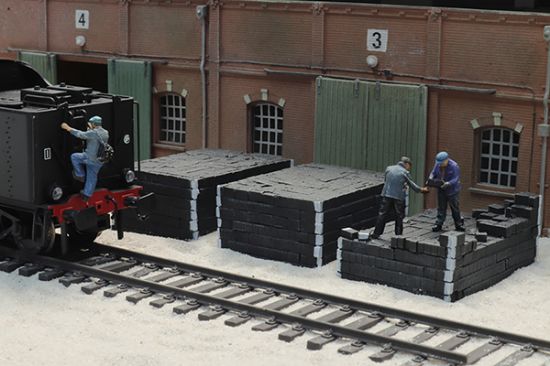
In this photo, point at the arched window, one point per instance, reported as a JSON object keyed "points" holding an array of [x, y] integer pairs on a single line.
{"points": [[267, 129], [499, 157], [172, 119]]}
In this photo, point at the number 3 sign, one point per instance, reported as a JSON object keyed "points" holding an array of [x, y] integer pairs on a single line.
{"points": [[377, 40]]}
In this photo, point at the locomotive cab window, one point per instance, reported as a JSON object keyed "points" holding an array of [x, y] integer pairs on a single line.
{"points": [[499, 150], [267, 129], [172, 127]]}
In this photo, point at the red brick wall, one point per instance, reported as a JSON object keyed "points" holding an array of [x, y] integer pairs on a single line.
{"points": [[182, 79], [298, 112], [164, 30], [346, 33], [277, 36], [248, 40], [456, 135], [102, 35], [22, 25], [494, 49]]}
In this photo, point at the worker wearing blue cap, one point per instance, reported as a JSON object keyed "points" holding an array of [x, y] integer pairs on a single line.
{"points": [[89, 159], [446, 177]]}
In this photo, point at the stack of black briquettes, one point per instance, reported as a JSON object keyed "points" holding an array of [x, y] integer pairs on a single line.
{"points": [[448, 265], [295, 215], [185, 189]]}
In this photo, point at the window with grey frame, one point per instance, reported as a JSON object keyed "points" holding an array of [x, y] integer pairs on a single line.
{"points": [[499, 157], [267, 129], [172, 119]]}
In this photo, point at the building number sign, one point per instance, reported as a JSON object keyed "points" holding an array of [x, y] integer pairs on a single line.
{"points": [[377, 40], [82, 19]]}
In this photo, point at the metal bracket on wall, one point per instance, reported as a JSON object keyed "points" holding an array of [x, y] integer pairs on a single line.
{"points": [[318, 86], [544, 130], [356, 88], [146, 69]]}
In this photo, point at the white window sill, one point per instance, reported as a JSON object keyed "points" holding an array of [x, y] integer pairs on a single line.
{"points": [[490, 192], [170, 147]]}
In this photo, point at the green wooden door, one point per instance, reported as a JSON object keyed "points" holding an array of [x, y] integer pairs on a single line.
{"points": [[370, 125], [134, 78], [397, 120], [44, 63], [341, 128]]}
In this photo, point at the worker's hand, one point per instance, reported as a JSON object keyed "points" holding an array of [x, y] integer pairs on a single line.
{"points": [[424, 189], [445, 185], [65, 126]]}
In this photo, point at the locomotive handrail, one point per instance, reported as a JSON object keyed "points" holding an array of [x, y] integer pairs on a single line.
{"points": [[138, 142]]}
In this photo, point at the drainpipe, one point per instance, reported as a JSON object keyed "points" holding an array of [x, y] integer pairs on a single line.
{"points": [[544, 130], [201, 12]]}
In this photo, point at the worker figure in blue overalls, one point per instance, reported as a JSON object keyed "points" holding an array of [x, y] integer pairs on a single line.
{"points": [[94, 136], [446, 176]]}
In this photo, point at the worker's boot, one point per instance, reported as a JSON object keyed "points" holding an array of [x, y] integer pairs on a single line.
{"points": [[459, 227], [437, 228], [84, 197]]}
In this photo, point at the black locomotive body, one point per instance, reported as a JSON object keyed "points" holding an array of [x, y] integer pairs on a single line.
{"points": [[37, 191]]}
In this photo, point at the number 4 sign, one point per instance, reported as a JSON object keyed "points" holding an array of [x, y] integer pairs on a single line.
{"points": [[377, 40], [82, 19]]}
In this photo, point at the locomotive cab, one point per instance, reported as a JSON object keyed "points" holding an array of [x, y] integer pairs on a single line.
{"points": [[37, 190]]}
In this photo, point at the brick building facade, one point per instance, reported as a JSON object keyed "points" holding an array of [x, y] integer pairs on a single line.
{"points": [[484, 71]]}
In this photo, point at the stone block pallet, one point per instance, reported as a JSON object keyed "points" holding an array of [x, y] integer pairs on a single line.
{"points": [[185, 189], [295, 215], [448, 265]]}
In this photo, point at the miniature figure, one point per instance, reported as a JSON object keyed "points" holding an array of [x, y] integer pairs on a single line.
{"points": [[95, 136], [446, 177], [397, 178]]}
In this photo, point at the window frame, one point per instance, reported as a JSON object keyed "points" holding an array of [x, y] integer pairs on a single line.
{"points": [[279, 137], [182, 120], [478, 155]]}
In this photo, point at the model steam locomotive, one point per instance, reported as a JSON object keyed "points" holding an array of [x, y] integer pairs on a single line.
{"points": [[37, 191]]}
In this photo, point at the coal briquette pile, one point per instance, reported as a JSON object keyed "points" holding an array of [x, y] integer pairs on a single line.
{"points": [[295, 215], [185, 189]]}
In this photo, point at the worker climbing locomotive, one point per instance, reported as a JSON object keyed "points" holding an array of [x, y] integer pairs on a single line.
{"points": [[37, 191]]}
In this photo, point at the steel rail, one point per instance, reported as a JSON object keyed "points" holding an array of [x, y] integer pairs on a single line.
{"points": [[205, 299], [503, 336]]}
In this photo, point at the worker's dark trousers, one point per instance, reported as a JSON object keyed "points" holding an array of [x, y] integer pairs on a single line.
{"points": [[386, 207], [452, 201]]}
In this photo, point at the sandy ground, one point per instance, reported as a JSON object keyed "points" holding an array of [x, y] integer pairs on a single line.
{"points": [[47, 324]]}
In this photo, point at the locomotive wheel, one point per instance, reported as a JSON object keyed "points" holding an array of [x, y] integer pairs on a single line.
{"points": [[81, 239], [23, 236]]}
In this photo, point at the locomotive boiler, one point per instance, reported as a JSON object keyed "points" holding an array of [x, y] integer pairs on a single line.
{"points": [[37, 191]]}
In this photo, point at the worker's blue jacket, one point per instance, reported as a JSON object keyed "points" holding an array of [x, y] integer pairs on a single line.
{"points": [[396, 180], [92, 138], [450, 174]]}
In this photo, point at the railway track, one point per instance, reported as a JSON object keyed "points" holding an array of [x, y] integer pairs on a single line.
{"points": [[212, 293]]}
